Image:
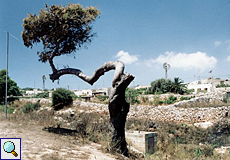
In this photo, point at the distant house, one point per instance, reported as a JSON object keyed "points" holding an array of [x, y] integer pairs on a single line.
{"points": [[84, 92], [93, 92], [143, 87], [207, 85], [33, 92]]}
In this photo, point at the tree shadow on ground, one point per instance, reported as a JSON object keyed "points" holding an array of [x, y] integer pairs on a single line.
{"points": [[58, 130]]}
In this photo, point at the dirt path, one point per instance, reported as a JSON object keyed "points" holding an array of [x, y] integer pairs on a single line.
{"points": [[41, 145]]}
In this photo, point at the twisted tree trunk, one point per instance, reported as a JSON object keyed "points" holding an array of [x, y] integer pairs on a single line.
{"points": [[118, 107]]}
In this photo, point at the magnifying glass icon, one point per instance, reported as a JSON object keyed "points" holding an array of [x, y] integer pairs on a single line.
{"points": [[9, 147]]}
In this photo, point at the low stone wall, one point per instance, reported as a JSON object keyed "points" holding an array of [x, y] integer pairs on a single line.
{"points": [[164, 113], [173, 113]]}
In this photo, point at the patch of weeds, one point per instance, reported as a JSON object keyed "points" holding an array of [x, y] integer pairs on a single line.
{"points": [[198, 152], [29, 107]]}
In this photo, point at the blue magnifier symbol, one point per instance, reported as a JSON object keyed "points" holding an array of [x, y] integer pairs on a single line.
{"points": [[9, 147]]}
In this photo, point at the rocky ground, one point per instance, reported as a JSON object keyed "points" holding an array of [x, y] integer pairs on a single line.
{"points": [[203, 108]]}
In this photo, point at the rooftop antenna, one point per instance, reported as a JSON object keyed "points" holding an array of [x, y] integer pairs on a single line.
{"points": [[166, 67], [44, 79]]}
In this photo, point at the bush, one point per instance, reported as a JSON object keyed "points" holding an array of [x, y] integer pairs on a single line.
{"points": [[61, 97], [171, 99], [161, 86], [131, 95], [144, 99], [43, 95], [29, 107], [10, 109], [186, 98], [102, 98]]}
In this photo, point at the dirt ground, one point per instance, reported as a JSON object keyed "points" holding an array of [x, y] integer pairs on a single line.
{"points": [[41, 145]]}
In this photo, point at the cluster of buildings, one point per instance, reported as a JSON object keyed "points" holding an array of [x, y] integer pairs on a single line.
{"points": [[79, 93], [205, 85]]}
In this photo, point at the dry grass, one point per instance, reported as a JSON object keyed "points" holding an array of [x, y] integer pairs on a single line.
{"points": [[204, 104], [175, 141]]}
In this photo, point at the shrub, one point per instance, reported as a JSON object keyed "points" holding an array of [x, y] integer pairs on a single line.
{"points": [[144, 99], [160, 102], [29, 107], [198, 152], [161, 86], [102, 98], [131, 95], [43, 95], [10, 109], [171, 99], [61, 97]]}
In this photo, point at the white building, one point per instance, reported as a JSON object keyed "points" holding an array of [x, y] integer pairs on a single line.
{"points": [[33, 92], [84, 92], [207, 85], [92, 92]]}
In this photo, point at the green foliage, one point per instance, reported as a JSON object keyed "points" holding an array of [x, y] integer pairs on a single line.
{"points": [[102, 98], [186, 98], [12, 88], [178, 86], [144, 99], [28, 89], [161, 86], [225, 98], [61, 97], [29, 107], [131, 95], [198, 152], [10, 109], [43, 95], [170, 100], [222, 85], [62, 30]]}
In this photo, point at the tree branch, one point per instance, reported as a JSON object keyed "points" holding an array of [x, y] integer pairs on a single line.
{"points": [[118, 66]]}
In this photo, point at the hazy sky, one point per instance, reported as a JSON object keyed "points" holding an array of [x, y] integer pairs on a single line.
{"points": [[193, 36]]}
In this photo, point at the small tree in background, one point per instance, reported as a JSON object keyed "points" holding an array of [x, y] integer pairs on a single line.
{"points": [[161, 86], [166, 85], [12, 88], [178, 86], [61, 97]]}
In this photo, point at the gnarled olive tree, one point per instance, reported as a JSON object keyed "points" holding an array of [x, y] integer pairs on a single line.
{"points": [[64, 30]]}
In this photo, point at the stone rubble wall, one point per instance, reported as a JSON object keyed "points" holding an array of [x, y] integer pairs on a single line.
{"points": [[173, 113]]}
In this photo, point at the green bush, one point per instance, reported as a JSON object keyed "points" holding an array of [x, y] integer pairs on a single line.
{"points": [[131, 95], [222, 85], [61, 97], [43, 95], [144, 99], [161, 86], [29, 107], [160, 102], [186, 98], [10, 109], [170, 100], [102, 98]]}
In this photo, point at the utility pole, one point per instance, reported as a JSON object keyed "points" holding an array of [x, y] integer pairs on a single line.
{"points": [[7, 57]]}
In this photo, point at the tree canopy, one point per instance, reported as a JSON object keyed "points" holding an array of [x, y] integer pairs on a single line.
{"points": [[166, 85], [12, 88], [62, 30]]}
